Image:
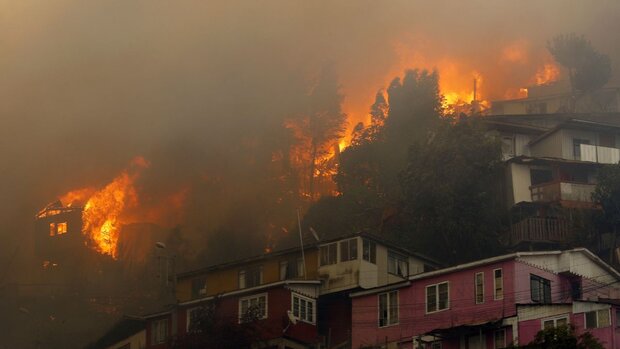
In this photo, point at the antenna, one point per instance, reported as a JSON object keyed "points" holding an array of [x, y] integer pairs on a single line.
{"points": [[301, 241]]}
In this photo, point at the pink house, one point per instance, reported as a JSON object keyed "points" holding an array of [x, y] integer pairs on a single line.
{"points": [[491, 303]]}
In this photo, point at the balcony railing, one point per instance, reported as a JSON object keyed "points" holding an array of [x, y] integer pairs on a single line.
{"points": [[596, 153], [562, 191], [537, 229]]}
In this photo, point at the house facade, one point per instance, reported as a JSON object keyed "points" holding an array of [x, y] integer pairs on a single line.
{"points": [[298, 299], [491, 303], [551, 164]]}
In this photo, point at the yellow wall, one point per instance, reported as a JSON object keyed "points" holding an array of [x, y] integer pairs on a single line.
{"points": [[227, 280]]}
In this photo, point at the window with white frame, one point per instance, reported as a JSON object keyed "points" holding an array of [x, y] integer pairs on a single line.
{"points": [[388, 308], [499, 339], [253, 308], [251, 277], [554, 322], [498, 284], [348, 250], [159, 331], [398, 264], [437, 297], [369, 251], [479, 288], [303, 308], [329, 254], [597, 318]]}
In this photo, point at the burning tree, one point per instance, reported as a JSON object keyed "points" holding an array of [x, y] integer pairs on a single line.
{"points": [[318, 131]]}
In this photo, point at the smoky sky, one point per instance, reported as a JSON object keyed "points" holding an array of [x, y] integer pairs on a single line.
{"points": [[87, 85]]}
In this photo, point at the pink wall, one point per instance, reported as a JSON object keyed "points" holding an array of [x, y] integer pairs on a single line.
{"points": [[413, 319]]}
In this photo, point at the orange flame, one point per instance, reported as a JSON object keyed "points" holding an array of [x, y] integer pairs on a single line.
{"points": [[102, 216], [105, 209], [547, 73]]}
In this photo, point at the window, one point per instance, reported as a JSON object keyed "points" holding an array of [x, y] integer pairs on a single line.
{"points": [[304, 308], [479, 279], [369, 251], [498, 281], [159, 331], [508, 146], [388, 308], [291, 269], [192, 319], [329, 254], [575, 289], [398, 264], [500, 339], [555, 322], [348, 250], [540, 176], [437, 297], [436, 345], [52, 229], [577, 147], [253, 308], [61, 228], [597, 318], [251, 277], [199, 287], [540, 289]]}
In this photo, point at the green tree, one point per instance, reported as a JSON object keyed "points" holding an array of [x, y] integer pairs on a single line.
{"points": [[452, 193], [210, 329], [607, 196], [367, 175], [588, 70], [563, 337]]}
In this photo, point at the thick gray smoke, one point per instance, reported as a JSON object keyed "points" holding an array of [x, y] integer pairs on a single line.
{"points": [[201, 89]]}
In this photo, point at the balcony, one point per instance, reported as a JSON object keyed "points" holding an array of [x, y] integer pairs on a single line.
{"points": [[537, 229], [596, 153], [562, 192]]}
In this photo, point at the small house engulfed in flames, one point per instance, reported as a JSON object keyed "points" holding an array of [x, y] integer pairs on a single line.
{"points": [[58, 232]]}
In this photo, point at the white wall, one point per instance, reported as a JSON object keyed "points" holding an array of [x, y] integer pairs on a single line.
{"points": [[521, 182]]}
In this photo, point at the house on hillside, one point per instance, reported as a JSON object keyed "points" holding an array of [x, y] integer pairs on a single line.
{"points": [[492, 303], [551, 164], [301, 297], [557, 97]]}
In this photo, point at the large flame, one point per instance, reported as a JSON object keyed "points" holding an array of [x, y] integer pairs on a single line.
{"points": [[106, 209]]}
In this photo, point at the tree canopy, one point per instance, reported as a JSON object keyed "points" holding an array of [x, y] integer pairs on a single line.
{"points": [[588, 69]]}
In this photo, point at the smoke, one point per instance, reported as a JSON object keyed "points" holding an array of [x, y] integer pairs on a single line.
{"points": [[201, 89]]}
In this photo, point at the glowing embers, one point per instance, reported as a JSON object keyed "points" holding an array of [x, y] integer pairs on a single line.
{"points": [[58, 228]]}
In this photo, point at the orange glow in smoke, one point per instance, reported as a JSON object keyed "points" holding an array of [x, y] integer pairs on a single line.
{"points": [[548, 73]]}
